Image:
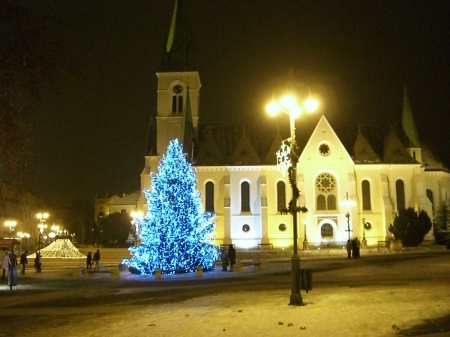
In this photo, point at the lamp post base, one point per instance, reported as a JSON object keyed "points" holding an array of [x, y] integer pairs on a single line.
{"points": [[296, 297]]}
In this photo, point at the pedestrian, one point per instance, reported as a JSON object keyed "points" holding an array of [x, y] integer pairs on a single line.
{"points": [[38, 262], [349, 248], [12, 270], [358, 247], [24, 261], [231, 256], [5, 264], [89, 261], [97, 259], [224, 258], [354, 254]]}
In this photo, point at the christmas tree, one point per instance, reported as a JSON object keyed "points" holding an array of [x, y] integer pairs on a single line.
{"points": [[175, 233]]}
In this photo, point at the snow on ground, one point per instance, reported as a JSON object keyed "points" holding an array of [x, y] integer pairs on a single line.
{"points": [[375, 310]]}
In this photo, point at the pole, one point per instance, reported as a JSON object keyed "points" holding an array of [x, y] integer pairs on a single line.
{"points": [[296, 297]]}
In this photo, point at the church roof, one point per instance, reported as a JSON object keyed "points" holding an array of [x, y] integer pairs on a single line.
{"points": [[256, 144], [430, 161]]}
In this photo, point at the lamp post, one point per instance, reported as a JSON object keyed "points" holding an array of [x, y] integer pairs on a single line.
{"points": [[23, 236], [288, 102], [42, 225], [364, 241], [305, 241], [137, 216], [10, 224], [348, 203]]}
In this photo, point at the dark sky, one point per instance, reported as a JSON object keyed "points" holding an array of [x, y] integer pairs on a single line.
{"points": [[356, 55]]}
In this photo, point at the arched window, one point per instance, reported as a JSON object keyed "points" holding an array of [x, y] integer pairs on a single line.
{"points": [[245, 197], [400, 190], [430, 197], [326, 192], [281, 196], [174, 104], [321, 203], [331, 202], [209, 197], [177, 103], [180, 103], [366, 195], [326, 231]]}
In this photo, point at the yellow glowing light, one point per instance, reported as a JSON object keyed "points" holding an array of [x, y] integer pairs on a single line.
{"points": [[272, 108], [311, 105], [288, 102]]}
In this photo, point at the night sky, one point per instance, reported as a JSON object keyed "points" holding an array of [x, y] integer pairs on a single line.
{"points": [[355, 55]]}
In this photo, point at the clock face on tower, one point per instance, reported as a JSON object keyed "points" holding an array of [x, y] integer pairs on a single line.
{"points": [[177, 89]]}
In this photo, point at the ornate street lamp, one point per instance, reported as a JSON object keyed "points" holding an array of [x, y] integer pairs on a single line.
{"points": [[305, 241], [137, 216], [10, 224], [365, 224], [289, 102], [42, 225], [348, 203]]}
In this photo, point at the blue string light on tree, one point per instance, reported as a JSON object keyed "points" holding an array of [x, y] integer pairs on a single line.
{"points": [[175, 233]]}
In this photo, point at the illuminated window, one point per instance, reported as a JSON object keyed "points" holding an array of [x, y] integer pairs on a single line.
{"points": [[331, 201], [245, 197], [209, 197], [326, 192], [321, 203], [281, 196], [366, 195], [400, 190]]}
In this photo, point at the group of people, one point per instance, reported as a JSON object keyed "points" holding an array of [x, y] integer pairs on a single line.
{"points": [[353, 247], [96, 259], [9, 264], [228, 256]]}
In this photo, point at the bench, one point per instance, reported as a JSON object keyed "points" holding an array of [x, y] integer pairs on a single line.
{"points": [[260, 264], [268, 245], [383, 243]]}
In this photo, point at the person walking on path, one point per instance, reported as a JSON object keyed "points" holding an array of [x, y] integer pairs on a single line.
{"points": [[89, 261], [24, 261], [38, 262], [97, 259], [231, 256], [358, 247], [12, 271], [224, 258], [5, 264], [354, 249], [349, 248]]}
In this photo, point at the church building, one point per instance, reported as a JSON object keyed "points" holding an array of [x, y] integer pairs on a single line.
{"points": [[353, 181]]}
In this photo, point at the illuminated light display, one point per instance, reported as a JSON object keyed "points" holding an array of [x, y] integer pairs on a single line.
{"points": [[175, 233]]}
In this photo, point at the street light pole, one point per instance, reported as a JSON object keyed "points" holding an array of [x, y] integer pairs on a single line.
{"points": [[349, 204], [288, 103]]}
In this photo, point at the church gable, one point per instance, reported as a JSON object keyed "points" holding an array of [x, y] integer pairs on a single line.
{"points": [[363, 152], [271, 158], [394, 151], [244, 152], [210, 153], [325, 143]]}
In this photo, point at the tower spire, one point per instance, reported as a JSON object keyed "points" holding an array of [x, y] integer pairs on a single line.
{"points": [[408, 124], [177, 55]]}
